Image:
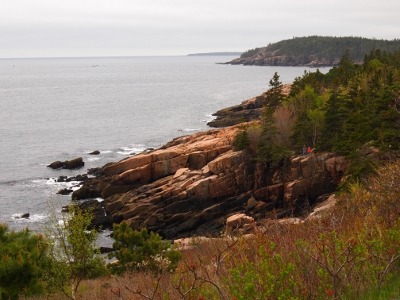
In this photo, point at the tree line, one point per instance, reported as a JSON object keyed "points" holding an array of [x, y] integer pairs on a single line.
{"points": [[349, 110], [326, 47]]}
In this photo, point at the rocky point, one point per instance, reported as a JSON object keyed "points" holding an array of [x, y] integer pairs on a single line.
{"points": [[194, 183]]}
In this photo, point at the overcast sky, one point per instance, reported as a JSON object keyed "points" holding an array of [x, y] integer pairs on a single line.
{"points": [[53, 28]]}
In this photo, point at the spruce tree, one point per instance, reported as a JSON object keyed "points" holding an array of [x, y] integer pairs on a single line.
{"points": [[268, 150], [274, 96]]}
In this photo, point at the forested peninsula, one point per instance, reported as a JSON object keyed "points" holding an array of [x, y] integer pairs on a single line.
{"points": [[315, 51]]}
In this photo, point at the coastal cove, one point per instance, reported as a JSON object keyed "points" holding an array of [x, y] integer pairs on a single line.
{"points": [[62, 108]]}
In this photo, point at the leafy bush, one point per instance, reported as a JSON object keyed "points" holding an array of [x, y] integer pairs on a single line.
{"points": [[268, 277], [73, 253]]}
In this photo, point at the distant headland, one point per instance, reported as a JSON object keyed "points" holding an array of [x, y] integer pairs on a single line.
{"points": [[217, 54], [314, 51]]}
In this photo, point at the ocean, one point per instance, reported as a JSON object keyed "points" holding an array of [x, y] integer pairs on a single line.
{"points": [[63, 108]]}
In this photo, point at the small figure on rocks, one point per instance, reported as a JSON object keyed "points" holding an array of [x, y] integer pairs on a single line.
{"points": [[309, 151], [304, 149]]}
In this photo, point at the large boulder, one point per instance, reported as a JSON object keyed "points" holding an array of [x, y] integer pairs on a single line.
{"points": [[100, 220], [85, 192], [68, 164], [240, 223]]}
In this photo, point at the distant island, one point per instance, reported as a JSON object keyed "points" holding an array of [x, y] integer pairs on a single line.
{"points": [[217, 54], [314, 51]]}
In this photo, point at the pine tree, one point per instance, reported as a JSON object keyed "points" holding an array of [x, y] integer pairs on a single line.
{"points": [[241, 140], [22, 261], [142, 250]]}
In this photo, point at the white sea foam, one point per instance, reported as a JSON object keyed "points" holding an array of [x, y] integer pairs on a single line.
{"points": [[192, 129], [93, 158], [53, 181], [32, 218], [131, 150], [124, 152], [209, 118]]}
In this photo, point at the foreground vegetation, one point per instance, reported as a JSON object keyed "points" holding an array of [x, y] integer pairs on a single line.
{"points": [[351, 252]]}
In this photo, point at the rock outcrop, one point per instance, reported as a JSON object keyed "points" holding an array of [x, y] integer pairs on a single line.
{"points": [[100, 219], [25, 216], [248, 110], [193, 184], [240, 223], [68, 164], [272, 58]]}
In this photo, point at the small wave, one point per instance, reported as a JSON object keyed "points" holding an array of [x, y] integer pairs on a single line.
{"points": [[192, 129], [10, 183], [73, 185], [138, 147], [209, 118], [124, 152], [48, 181], [93, 158], [131, 150], [32, 218], [41, 182], [106, 151]]}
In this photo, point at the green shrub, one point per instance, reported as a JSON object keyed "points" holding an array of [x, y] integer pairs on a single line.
{"points": [[22, 259], [141, 250], [73, 253], [241, 140], [268, 277]]}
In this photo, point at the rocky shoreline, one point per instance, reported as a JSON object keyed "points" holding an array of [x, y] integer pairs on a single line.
{"points": [[196, 185], [193, 184], [272, 58]]}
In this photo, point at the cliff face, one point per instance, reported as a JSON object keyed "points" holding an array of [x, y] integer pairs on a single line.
{"points": [[192, 184], [266, 58]]}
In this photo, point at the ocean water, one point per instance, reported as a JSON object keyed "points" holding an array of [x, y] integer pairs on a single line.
{"points": [[63, 108]]}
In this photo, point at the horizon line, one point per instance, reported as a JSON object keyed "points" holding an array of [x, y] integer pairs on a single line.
{"points": [[116, 56]]}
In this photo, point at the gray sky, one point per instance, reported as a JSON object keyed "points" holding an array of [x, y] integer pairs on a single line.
{"points": [[53, 28]]}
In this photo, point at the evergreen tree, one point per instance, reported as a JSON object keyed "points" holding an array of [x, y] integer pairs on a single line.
{"points": [[268, 150], [22, 261], [346, 68], [334, 119], [241, 140], [274, 96], [141, 250]]}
